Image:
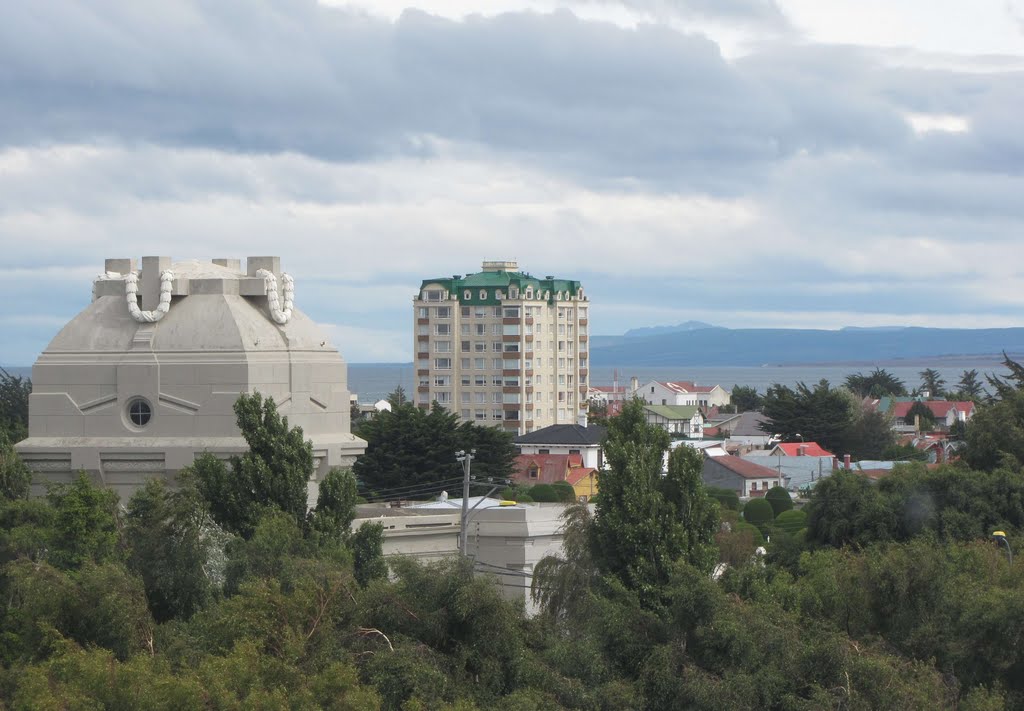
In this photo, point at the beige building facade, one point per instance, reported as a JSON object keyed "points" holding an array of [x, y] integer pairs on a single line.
{"points": [[145, 377], [503, 348]]}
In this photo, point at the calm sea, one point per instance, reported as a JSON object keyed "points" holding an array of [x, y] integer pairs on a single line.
{"points": [[373, 381]]}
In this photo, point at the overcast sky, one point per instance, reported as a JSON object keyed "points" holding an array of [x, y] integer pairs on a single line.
{"points": [[787, 163]]}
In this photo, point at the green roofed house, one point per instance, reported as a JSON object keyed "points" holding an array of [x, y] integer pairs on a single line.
{"points": [[502, 347], [679, 420]]}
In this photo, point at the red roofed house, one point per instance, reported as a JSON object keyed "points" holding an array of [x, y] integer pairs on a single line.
{"points": [[550, 468], [946, 412], [743, 476], [800, 449], [682, 392]]}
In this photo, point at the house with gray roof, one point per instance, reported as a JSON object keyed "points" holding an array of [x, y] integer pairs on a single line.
{"points": [[588, 442]]}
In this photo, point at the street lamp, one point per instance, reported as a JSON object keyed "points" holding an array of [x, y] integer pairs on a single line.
{"points": [[1000, 537], [466, 459]]}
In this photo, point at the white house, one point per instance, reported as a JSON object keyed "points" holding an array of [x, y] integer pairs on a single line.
{"points": [[679, 420], [682, 392], [566, 439]]}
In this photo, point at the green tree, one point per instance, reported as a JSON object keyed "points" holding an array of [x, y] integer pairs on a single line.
{"points": [[14, 394], [745, 398], [779, 499], [644, 521], [876, 384], [368, 553], [85, 524], [820, 414], [15, 477], [335, 505], [726, 498], [272, 474], [919, 413], [932, 382], [397, 398], [791, 521], [970, 387], [171, 537], [870, 435]]}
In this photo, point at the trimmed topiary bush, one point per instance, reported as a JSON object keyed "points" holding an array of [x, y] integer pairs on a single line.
{"points": [[779, 499], [758, 512], [753, 530], [565, 492], [791, 521], [544, 493], [727, 498]]}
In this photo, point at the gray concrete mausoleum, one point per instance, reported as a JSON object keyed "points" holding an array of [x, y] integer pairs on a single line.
{"points": [[144, 378]]}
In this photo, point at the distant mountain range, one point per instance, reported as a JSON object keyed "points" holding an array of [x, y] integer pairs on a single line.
{"points": [[706, 345]]}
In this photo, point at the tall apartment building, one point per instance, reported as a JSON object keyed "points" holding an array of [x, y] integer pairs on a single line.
{"points": [[502, 347]]}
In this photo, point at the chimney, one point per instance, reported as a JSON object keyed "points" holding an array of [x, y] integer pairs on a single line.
{"points": [[801, 451], [634, 384], [846, 462], [583, 418], [119, 266], [149, 283], [917, 423]]}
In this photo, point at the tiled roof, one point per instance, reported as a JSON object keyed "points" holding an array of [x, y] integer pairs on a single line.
{"points": [[564, 434], [578, 474], [750, 425], [744, 467], [813, 449], [686, 386], [550, 467]]}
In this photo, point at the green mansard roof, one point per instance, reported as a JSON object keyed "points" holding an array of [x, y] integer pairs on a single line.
{"points": [[492, 281]]}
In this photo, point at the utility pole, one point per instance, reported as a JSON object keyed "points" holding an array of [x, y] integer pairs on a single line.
{"points": [[466, 458]]}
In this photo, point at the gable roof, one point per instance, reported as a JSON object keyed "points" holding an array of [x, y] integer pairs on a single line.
{"points": [[813, 449], [578, 474], [749, 425], [744, 467], [685, 387], [939, 408], [591, 435], [673, 412], [550, 467]]}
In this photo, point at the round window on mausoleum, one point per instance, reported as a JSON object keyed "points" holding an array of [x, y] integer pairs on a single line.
{"points": [[139, 412]]}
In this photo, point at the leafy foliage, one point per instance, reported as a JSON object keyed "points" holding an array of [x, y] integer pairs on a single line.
{"points": [[920, 414], [876, 384], [779, 499], [819, 414], [932, 383], [758, 512], [15, 477], [272, 474], [14, 395], [745, 398]]}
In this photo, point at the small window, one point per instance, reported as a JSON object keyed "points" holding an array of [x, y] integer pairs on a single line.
{"points": [[139, 412]]}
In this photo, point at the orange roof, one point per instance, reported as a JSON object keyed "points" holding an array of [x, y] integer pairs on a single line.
{"points": [[811, 449], [939, 408], [579, 474]]}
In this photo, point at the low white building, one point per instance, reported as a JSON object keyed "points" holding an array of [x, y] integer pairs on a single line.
{"points": [[505, 542], [682, 392], [586, 441]]}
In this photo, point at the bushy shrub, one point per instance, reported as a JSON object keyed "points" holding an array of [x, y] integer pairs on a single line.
{"points": [[791, 521], [544, 493], [779, 499], [564, 490], [758, 512], [727, 498]]}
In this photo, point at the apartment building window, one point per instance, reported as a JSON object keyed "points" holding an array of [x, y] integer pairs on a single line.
{"points": [[528, 365], [511, 347], [423, 364], [561, 363], [512, 398], [509, 414], [568, 312], [465, 347], [511, 311], [529, 346], [442, 346], [422, 330], [496, 346], [513, 292], [583, 312], [480, 414], [568, 329], [481, 329], [510, 329], [496, 415], [511, 381], [561, 379], [561, 329], [464, 363], [465, 414], [443, 329], [495, 329], [423, 312], [444, 397], [480, 312], [496, 311], [442, 381], [497, 363], [529, 398], [498, 398], [540, 379], [424, 381], [424, 398], [480, 363], [561, 396], [528, 381], [528, 329], [432, 295], [480, 380], [480, 398], [464, 329], [497, 381], [465, 312], [464, 397], [561, 346], [443, 363], [480, 347], [442, 312]]}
